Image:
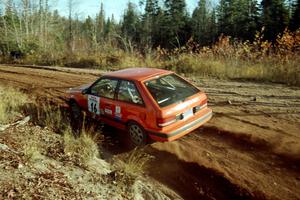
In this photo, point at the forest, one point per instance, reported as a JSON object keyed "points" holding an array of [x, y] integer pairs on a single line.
{"points": [[227, 39]]}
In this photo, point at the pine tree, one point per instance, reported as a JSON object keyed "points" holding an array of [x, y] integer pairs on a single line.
{"points": [[89, 31], [100, 21], [108, 29], [245, 19], [130, 23], [295, 21], [149, 20], [223, 17], [177, 28], [274, 17], [238, 18], [201, 23], [160, 27], [213, 27]]}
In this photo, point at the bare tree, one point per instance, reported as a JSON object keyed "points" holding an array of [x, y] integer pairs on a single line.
{"points": [[25, 4], [70, 39]]}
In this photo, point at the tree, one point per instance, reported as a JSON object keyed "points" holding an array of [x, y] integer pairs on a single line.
{"points": [[295, 21], [108, 29], [70, 4], [177, 28], [100, 21], [26, 16], [160, 38], [90, 32], [274, 17], [149, 20], [238, 18], [130, 25], [213, 28], [201, 23]]}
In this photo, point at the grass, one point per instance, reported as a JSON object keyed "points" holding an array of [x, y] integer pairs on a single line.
{"points": [[83, 149], [52, 117], [268, 69], [11, 102], [259, 60], [136, 162], [32, 148], [62, 166]]}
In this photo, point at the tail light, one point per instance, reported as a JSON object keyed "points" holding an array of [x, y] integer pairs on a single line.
{"points": [[201, 106], [204, 103], [161, 122]]}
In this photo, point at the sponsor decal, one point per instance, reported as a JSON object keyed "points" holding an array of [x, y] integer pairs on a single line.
{"points": [[108, 111], [94, 104], [118, 114], [118, 109]]}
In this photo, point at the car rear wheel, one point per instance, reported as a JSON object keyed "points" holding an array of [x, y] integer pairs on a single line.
{"points": [[137, 134]]}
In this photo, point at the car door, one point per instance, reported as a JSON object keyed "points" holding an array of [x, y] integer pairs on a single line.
{"points": [[101, 97], [129, 104]]}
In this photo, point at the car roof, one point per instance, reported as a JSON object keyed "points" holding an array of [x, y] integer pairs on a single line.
{"points": [[138, 74]]}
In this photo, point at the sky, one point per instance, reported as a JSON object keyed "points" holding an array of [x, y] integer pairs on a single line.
{"points": [[91, 7]]}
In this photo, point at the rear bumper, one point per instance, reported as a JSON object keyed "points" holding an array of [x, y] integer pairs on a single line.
{"points": [[187, 128]]}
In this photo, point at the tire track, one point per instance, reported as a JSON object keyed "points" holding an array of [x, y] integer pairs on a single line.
{"points": [[246, 160]]}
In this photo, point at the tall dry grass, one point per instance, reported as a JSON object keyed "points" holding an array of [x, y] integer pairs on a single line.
{"points": [[52, 117], [228, 58], [135, 163], [11, 102], [84, 147], [259, 60], [84, 151]]}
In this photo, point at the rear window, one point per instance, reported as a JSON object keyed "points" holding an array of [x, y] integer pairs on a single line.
{"points": [[170, 89]]}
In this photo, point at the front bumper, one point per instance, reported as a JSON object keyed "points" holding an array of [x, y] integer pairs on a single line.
{"points": [[187, 128]]}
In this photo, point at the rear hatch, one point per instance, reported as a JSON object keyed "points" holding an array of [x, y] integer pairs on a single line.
{"points": [[178, 100]]}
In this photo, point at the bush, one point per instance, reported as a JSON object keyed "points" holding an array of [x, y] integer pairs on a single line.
{"points": [[83, 63]]}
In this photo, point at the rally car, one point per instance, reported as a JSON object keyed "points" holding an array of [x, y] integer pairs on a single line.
{"points": [[149, 103]]}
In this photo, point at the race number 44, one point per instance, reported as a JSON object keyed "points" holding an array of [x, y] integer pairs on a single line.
{"points": [[94, 104]]}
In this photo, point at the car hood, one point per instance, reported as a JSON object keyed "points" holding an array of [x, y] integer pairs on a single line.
{"points": [[79, 88]]}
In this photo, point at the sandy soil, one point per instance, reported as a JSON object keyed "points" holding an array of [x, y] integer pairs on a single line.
{"points": [[249, 150]]}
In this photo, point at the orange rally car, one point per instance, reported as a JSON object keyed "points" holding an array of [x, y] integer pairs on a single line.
{"points": [[147, 102]]}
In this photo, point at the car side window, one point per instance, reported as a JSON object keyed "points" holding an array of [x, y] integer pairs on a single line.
{"points": [[105, 88], [129, 93]]}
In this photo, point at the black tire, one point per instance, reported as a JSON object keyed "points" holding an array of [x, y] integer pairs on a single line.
{"points": [[137, 134]]}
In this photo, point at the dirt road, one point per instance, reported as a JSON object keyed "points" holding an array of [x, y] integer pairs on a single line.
{"points": [[249, 150]]}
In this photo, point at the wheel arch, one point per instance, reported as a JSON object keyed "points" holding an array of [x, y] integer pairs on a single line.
{"points": [[72, 100], [145, 133]]}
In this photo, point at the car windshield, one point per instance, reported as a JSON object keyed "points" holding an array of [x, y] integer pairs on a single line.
{"points": [[170, 89]]}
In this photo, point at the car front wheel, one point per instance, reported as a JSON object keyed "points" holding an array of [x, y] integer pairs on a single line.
{"points": [[76, 118], [137, 134]]}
